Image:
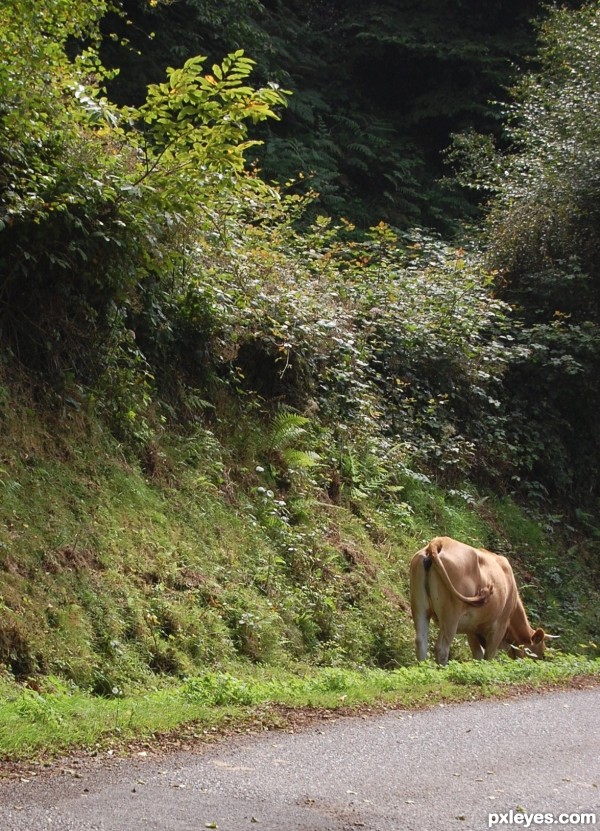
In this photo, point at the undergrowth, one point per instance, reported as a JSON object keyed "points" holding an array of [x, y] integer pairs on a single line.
{"points": [[137, 597]]}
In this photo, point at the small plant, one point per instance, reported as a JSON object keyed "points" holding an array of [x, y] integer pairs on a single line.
{"points": [[38, 708], [332, 680], [221, 689]]}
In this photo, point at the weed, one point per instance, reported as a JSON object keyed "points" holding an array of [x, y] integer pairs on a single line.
{"points": [[37, 708], [221, 689]]}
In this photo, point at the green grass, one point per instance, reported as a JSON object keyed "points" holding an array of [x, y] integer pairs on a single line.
{"points": [[63, 718]]}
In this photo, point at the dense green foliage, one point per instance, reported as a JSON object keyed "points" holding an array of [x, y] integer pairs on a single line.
{"points": [[142, 261], [543, 237], [95, 198], [378, 88]]}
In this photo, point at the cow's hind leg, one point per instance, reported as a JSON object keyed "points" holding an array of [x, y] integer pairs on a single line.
{"points": [[421, 621], [444, 639], [476, 646], [420, 606]]}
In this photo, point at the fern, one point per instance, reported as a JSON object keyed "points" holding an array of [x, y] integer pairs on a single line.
{"points": [[301, 459], [364, 476], [287, 429]]}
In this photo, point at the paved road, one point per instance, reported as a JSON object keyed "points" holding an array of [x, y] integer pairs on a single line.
{"points": [[436, 770]]}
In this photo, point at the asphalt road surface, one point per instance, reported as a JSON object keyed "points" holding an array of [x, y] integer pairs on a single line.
{"points": [[435, 770]]}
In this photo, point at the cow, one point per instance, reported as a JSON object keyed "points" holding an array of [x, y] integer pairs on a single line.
{"points": [[473, 592]]}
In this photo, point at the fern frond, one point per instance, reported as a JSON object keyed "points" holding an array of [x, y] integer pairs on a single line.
{"points": [[287, 429], [301, 459]]}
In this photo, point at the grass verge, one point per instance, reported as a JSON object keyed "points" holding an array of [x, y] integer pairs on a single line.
{"points": [[59, 719]]}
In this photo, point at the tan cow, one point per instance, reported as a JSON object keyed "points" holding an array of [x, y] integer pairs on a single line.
{"points": [[473, 592]]}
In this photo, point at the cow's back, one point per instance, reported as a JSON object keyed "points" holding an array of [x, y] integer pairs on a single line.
{"points": [[495, 571]]}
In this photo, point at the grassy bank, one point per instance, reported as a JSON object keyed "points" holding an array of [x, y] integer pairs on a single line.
{"points": [[219, 571], [113, 572], [58, 718]]}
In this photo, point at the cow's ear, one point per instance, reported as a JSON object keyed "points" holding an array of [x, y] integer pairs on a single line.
{"points": [[538, 636]]}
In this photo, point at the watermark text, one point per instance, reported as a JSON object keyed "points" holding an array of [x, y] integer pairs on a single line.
{"points": [[527, 820]]}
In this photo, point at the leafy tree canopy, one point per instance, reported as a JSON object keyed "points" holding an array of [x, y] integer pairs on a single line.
{"points": [[142, 257], [94, 196], [378, 88]]}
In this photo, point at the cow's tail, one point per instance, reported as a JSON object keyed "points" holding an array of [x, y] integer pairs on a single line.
{"points": [[433, 558]]}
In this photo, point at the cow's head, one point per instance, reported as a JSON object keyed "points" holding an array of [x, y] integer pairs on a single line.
{"points": [[533, 648]]}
